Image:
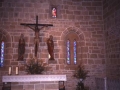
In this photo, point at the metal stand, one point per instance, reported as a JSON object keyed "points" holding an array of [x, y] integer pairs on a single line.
{"points": [[61, 85]]}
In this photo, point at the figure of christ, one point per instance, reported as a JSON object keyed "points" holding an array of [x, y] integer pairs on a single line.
{"points": [[36, 39]]}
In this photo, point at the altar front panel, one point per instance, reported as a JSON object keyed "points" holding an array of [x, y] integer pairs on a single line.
{"points": [[34, 82]]}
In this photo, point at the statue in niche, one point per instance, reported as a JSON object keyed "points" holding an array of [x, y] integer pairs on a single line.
{"points": [[21, 48], [50, 45], [54, 12]]}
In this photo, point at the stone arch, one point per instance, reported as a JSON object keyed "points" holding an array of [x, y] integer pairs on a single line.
{"points": [[4, 35], [73, 29], [81, 42]]}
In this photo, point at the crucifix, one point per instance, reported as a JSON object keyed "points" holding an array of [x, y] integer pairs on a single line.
{"points": [[35, 28]]}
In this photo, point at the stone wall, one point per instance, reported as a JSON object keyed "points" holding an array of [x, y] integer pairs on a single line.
{"points": [[84, 17], [111, 10]]}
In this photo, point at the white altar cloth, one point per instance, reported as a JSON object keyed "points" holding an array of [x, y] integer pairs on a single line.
{"points": [[33, 78]]}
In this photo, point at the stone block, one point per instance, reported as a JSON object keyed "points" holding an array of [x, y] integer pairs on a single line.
{"points": [[17, 87], [40, 87], [51, 86], [28, 87]]}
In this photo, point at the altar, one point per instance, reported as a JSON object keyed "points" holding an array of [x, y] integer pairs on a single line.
{"points": [[34, 82]]}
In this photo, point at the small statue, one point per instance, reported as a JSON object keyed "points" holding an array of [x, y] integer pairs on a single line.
{"points": [[54, 13], [50, 45], [21, 48]]}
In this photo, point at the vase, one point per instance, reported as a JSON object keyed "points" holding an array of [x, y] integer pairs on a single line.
{"points": [[80, 85]]}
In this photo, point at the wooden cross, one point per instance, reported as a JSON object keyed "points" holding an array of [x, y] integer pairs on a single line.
{"points": [[35, 28]]}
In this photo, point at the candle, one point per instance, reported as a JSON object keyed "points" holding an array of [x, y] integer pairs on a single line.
{"points": [[49, 56], [10, 70], [16, 70]]}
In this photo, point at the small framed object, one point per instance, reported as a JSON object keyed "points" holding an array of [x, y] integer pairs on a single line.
{"points": [[54, 12], [17, 70], [10, 70], [61, 85]]}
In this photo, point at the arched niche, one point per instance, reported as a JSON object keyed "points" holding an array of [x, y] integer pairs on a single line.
{"points": [[73, 33], [8, 50]]}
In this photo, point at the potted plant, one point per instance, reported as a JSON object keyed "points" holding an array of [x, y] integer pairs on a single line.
{"points": [[35, 67], [81, 74]]}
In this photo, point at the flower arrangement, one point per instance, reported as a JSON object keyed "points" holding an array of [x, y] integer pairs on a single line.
{"points": [[80, 72], [35, 67]]}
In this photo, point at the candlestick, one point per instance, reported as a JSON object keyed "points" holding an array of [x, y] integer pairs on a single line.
{"points": [[31, 50], [10, 70], [31, 53], [16, 71]]}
